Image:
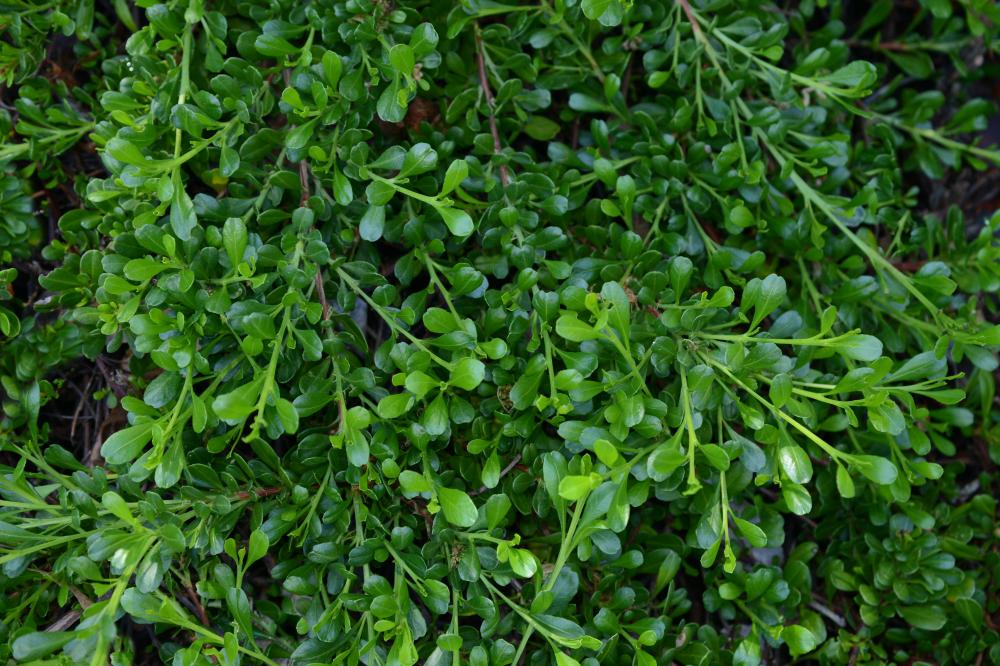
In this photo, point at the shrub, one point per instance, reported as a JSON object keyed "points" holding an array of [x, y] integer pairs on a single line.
{"points": [[577, 333]]}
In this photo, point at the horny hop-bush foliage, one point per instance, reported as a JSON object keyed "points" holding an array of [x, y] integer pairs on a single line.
{"points": [[592, 332]]}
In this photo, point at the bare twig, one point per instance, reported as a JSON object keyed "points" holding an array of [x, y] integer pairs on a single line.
{"points": [[304, 182], [830, 615], [79, 406], [511, 465], [64, 622], [198, 607], [257, 492], [484, 82], [690, 17], [321, 292]]}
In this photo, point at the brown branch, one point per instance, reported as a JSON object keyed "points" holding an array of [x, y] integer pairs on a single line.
{"points": [[257, 493], [485, 84], [64, 622], [321, 292], [304, 182], [911, 266], [627, 80], [690, 17], [198, 607], [303, 165], [79, 406]]}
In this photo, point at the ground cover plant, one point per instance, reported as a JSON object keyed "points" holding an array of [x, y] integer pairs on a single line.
{"points": [[563, 332]]}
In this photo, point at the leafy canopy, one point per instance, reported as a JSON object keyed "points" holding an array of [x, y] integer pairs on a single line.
{"points": [[597, 332]]}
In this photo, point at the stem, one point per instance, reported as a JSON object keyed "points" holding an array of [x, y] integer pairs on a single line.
{"points": [[101, 650], [484, 83], [391, 321], [813, 437], [15, 150], [567, 545], [807, 342], [808, 192], [272, 368], [583, 48], [185, 81], [693, 485], [436, 281], [430, 201], [548, 359]]}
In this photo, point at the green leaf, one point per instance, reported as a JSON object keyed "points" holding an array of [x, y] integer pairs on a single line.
{"points": [[541, 128], [971, 612], [182, 217], [930, 617], [522, 562], [229, 161], [467, 374], [114, 503], [854, 79], [420, 158], [234, 239], [239, 403], [715, 455], [458, 171], [799, 639], [606, 12], [795, 463], [402, 59], [423, 40], [388, 106], [866, 348], [273, 46], [781, 389], [752, 533], [664, 460], [394, 405], [573, 488], [845, 484], [257, 548], [742, 217], [563, 659], [125, 445], [125, 152], [764, 296], [586, 103], [332, 68], [419, 383], [372, 223], [606, 452], [876, 469], [412, 482], [140, 270], [288, 416], [457, 220], [457, 506], [797, 498], [38, 644], [571, 328]]}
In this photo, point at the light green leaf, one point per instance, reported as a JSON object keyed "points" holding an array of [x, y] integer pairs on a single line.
{"points": [[866, 348], [239, 403], [877, 469], [468, 373], [125, 445], [928, 617], [799, 639], [571, 328], [457, 220], [457, 506]]}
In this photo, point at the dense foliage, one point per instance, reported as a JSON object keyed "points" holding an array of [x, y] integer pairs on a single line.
{"points": [[571, 332]]}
